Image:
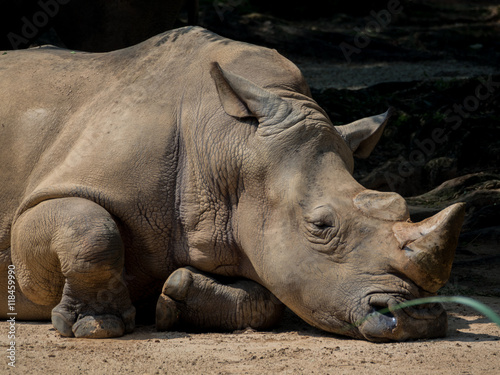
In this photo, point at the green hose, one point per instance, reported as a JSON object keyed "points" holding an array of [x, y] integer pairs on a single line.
{"points": [[481, 307]]}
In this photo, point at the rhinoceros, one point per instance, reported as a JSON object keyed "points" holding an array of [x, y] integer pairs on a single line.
{"points": [[192, 178]]}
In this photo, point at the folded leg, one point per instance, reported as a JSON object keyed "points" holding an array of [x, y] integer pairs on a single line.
{"points": [[195, 300], [69, 254]]}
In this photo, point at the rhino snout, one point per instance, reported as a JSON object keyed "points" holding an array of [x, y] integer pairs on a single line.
{"points": [[386, 321]]}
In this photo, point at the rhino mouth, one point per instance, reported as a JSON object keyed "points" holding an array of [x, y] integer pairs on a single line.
{"points": [[387, 321]]}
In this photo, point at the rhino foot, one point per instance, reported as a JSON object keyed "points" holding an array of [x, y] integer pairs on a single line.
{"points": [[167, 313], [196, 300], [103, 326], [92, 326]]}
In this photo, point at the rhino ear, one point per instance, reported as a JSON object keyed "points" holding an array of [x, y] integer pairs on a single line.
{"points": [[231, 102], [362, 135], [241, 98]]}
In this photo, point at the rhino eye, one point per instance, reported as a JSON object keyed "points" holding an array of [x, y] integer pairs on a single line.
{"points": [[322, 232], [321, 227]]}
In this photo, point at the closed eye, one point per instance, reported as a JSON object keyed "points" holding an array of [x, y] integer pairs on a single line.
{"points": [[321, 232], [322, 225]]}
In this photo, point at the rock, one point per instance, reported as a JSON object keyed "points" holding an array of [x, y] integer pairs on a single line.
{"points": [[481, 192]]}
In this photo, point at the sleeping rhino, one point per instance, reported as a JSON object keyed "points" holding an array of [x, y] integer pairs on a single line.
{"points": [[193, 178]]}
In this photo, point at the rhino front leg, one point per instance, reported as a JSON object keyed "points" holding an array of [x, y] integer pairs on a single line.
{"points": [[195, 300], [69, 254]]}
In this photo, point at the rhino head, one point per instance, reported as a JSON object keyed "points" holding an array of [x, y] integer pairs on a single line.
{"points": [[332, 251]]}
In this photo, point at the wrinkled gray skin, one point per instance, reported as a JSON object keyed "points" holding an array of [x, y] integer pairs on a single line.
{"points": [[200, 155]]}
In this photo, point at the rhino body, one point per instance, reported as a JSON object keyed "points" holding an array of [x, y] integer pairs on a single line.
{"points": [[197, 173]]}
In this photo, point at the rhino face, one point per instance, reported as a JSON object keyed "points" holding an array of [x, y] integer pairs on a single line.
{"points": [[332, 251], [336, 259]]}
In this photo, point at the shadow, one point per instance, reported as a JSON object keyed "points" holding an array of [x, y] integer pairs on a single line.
{"points": [[457, 322], [291, 323], [459, 336]]}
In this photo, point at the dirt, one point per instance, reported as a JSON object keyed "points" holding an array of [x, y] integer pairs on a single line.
{"points": [[429, 58]]}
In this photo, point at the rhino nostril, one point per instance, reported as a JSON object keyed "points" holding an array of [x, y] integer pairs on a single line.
{"points": [[379, 308], [378, 324]]}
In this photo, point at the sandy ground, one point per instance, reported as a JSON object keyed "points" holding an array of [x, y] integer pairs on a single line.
{"points": [[472, 347]]}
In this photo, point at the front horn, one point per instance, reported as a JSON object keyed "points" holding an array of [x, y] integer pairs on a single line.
{"points": [[428, 247]]}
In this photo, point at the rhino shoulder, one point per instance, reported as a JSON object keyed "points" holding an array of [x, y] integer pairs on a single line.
{"points": [[266, 67]]}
